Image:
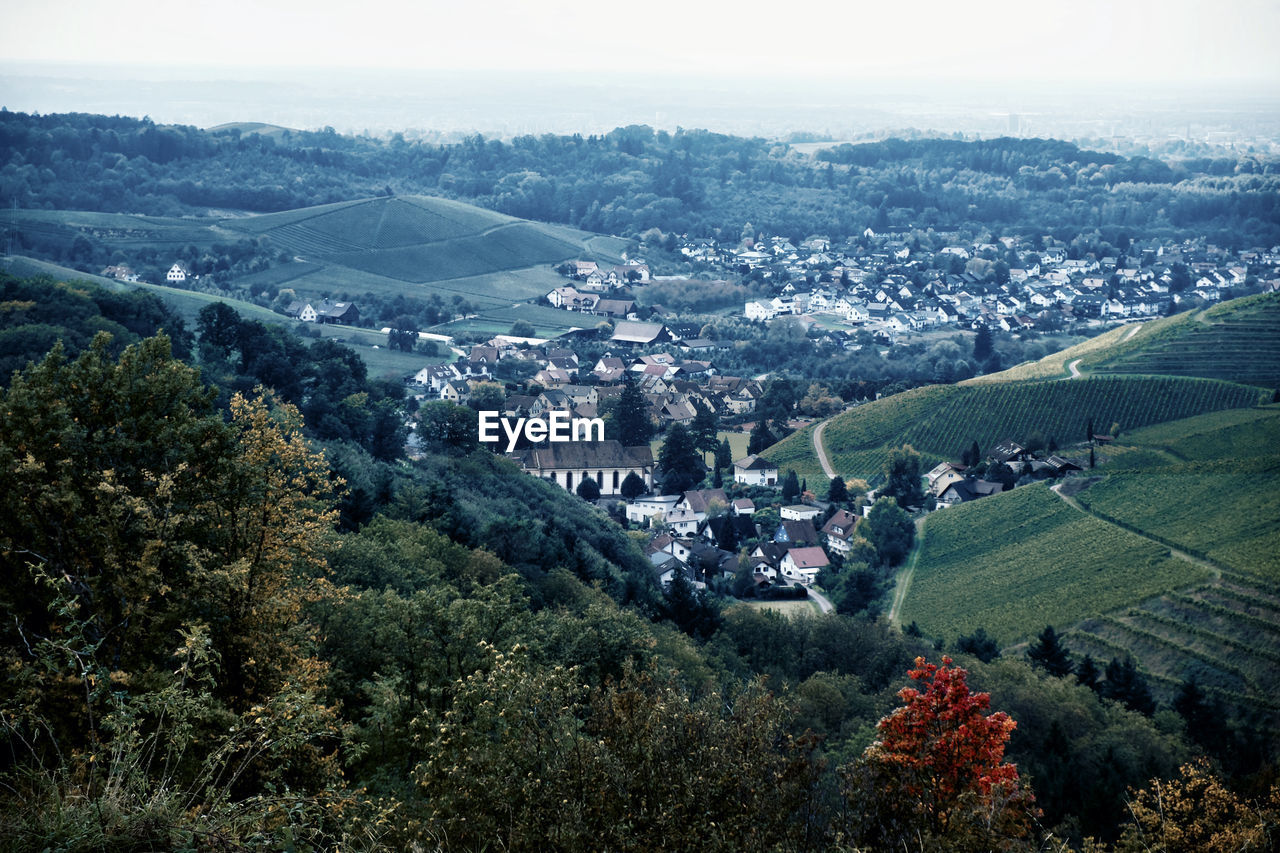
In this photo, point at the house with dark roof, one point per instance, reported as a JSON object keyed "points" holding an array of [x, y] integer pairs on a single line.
{"points": [[796, 533], [607, 462], [839, 531], [755, 470]]}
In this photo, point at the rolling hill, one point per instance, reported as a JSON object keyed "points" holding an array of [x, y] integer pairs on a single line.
{"points": [[385, 246], [1169, 552], [1235, 341], [417, 245], [940, 421]]}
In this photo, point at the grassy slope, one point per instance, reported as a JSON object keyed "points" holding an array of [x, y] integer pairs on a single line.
{"points": [[1206, 484], [1016, 562], [941, 421], [1235, 341], [380, 361], [422, 245]]}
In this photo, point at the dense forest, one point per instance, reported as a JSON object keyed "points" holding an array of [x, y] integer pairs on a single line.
{"points": [[224, 628], [634, 179]]}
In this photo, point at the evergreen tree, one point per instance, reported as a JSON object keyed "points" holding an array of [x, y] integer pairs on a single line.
{"points": [[632, 486], [679, 460], [761, 438], [790, 486], [1126, 685], [1087, 673], [632, 414], [891, 531], [724, 454], [980, 645], [705, 427], [727, 536], [837, 492], [588, 490], [1049, 654], [983, 345]]}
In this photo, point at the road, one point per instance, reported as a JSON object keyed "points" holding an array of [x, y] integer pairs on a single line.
{"points": [[824, 603], [1074, 367], [1176, 553], [902, 583], [821, 451]]}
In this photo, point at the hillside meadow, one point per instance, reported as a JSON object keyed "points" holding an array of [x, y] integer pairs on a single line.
{"points": [[941, 421]]}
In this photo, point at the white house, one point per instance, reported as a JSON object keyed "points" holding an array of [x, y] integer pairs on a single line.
{"points": [[644, 508], [803, 564], [759, 311], [799, 512], [755, 470], [176, 275]]}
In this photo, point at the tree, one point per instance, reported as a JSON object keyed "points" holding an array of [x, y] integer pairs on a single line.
{"points": [[588, 490], [980, 645], [936, 777], [1126, 685], [837, 492], [522, 329], [724, 454], [705, 429], [632, 486], [681, 464], [1198, 812], [403, 333], [1048, 653], [487, 397], [761, 438], [972, 456], [902, 473], [1087, 673], [632, 415], [790, 486], [891, 531], [983, 346]]}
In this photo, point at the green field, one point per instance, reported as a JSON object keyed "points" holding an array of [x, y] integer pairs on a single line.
{"points": [[940, 422], [1209, 485], [1206, 486], [1016, 562], [423, 245], [1235, 341]]}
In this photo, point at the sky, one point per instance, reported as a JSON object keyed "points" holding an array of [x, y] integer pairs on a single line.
{"points": [[1133, 42]]}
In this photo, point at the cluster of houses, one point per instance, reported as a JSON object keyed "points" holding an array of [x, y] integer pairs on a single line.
{"points": [[693, 532], [674, 388], [951, 483], [877, 281]]}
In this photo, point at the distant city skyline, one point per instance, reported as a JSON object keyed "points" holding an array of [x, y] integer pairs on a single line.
{"points": [[1133, 42]]}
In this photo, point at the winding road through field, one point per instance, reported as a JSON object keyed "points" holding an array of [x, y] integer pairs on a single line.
{"points": [[902, 583], [1176, 553], [821, 451]]}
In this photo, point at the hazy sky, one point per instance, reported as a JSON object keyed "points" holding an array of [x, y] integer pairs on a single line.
{"points": [[1135, 41]]}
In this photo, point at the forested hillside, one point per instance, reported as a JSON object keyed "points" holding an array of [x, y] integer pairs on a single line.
{"points": [[634, 179]]}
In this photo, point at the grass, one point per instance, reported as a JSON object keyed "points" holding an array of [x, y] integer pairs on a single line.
{"points": [[940, 422], [1213, 491], [808, 607], [1054, 365], [1015, 562]]}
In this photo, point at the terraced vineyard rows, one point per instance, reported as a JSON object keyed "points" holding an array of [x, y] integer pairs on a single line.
{"points": [[1016, 562], [1225, 635], [942, 421], [1237, 342]]}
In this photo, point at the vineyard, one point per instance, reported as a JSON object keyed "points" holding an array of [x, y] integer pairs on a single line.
{"points": [[1015, 562], [1234, 341], [1224, 634], [1217, 494], [941, 421]]}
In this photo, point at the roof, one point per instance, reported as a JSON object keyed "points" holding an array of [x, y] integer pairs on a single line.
{"points": [[638, 333], [808, 558], [700, 499], [586, 454], [754, 463]]}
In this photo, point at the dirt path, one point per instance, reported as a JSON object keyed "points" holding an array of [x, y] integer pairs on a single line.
{"points": [[902, 583], [1074, 367], [824, 603], [822, 453], [1173, 552]]}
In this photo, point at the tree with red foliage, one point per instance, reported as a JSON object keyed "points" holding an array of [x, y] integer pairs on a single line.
{"points": [[936, 777]]}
